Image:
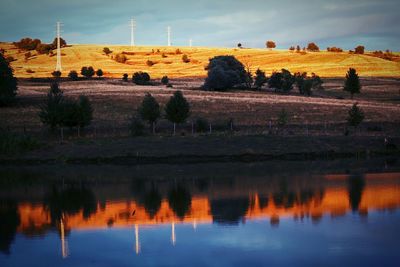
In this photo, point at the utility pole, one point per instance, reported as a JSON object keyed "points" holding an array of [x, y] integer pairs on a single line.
{"points": [[133, 28], [169, 35], [58, 65]]}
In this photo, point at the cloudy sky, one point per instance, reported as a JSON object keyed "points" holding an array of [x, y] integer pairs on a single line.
{"points": [[343, 23]]}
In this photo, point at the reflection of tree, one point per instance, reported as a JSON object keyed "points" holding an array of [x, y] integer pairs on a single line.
{"points": [[152, 202], [70, 201], [229, 211], [356, 184], [9, 221], [263, 201], [180, 201]]}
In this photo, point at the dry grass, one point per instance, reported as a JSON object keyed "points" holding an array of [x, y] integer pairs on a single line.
{"points": [[325, 64], [115, 101]]}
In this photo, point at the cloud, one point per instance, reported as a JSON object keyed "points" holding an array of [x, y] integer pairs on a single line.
{"points": [[208, 22]]}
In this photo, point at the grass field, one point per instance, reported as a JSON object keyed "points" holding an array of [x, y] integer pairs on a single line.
{"points": [[325, 64], [114, 101]]}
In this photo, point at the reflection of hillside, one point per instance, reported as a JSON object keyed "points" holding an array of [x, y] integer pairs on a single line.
{"points": [[165, 203]]}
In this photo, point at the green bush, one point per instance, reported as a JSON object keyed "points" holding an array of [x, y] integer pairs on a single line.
{"points": [[141, 78]]}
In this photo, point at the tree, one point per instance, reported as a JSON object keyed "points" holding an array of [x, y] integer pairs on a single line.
{"points": [[63, 43], [141, 78], [352, 82], [51, 110], [136, 126], [281, 81], [43, 48], [185, 58], [88, 72], [73, 75], [8, 83], [239, 45], [85, 111], [149, 110], [298, 49], [260, 79], [99, 73], [56, 74], [121, 58], [125, 77], [313, 47], [177, 109], [224, 72], [107, 51], [283, 117], [27, 55], [356, 116], [270, 44], [165, 80], [359, 49]]}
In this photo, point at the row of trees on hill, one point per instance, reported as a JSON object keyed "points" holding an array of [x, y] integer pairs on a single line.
{"points": [[29, 44], [225, 72], [177, 110]]}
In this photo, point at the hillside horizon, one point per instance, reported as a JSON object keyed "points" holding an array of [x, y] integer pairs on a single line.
{"points": [[166, 61]]}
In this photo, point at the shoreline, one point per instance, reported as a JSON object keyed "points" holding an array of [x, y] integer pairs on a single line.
{"points": [[205, 149]]}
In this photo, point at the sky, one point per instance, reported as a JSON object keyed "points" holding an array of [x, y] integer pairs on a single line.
{"points": [[216, 23]]}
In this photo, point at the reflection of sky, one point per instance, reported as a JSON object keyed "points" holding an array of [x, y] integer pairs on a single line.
{"points": [[345, 241], [208, 22]]}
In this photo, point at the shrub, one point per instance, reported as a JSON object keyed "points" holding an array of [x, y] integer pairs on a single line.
{"points": [[298, 49], [27, 55], [239, 45], [63, 43], [260, 79], [185, 58], [224, 72], [334, 49], [29, 71], [356, 115], [99, 73], [312, 47], [150, 63], [107, 51], [149, 110], [165, 80], [27, 44], [201, 125], [270, 44], [177, 109], [121, 58], [125, 77], [56, 74], [292, 48], [283, 117], [136, 126], [178, 51], [88, 72], [8, 83], [10, 59], [163, 55], [43, 48], [141, 78], [281, 81], [73, 75], [359, 49], [352, 82]]}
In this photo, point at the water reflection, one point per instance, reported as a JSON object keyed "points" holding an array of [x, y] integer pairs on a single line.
{"points": [[137, 204]]}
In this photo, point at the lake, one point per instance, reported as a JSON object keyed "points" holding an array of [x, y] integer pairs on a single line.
{"points": [[280, 213]]}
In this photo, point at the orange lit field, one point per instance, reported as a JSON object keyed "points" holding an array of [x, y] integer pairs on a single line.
{"points": [[168, 62]]}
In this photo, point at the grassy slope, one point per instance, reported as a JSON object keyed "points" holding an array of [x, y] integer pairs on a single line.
{"points": [[326, 64]]}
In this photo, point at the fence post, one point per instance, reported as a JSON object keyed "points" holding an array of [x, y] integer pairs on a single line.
{"points": [[62, 134], [192, 128], [210, 129]]}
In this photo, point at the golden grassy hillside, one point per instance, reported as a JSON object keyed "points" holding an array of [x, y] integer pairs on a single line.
{"points": [[325, 64]]}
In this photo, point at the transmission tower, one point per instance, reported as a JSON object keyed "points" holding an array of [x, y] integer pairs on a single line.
{"points": [[169, 35], [133, 28], [190, 42], [58, 65]]}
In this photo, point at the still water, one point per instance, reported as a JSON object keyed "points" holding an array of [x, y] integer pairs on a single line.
{"points": [[336, 213]]}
